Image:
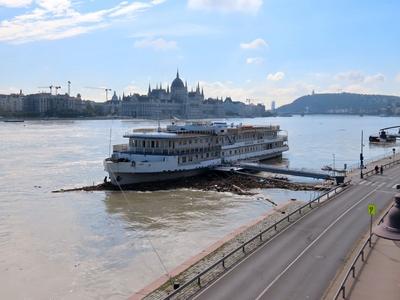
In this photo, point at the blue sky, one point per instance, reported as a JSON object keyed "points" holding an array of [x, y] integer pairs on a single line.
{"points": [[261, 50]]}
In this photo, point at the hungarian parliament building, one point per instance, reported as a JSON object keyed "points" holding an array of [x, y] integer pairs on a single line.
{"points": [[178, 102]]}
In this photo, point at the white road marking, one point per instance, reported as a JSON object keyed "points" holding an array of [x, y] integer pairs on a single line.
{"points": [[381, 185], [312, 243], [362, 182], [368, 183], [395, 186]]}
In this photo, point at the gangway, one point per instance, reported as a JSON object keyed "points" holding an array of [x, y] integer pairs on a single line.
{"points": [[294, 172]]}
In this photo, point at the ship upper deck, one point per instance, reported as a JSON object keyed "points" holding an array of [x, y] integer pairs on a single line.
{"points": [[163, 135]]}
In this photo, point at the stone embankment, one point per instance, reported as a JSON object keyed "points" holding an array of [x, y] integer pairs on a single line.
{"points": [[240, 184]]}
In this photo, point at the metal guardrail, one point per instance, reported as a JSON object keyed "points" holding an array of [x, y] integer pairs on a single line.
{"points": [[355, 166], [221, 262], [352, 269], [385, 166]]}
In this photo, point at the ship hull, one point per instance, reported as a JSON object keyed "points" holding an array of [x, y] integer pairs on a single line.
{"points": [[125, 179], [129, 178]]}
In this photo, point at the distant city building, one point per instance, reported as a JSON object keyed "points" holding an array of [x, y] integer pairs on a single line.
{"points": [[177, 101], [273, 104], [11, 103], [46, 104]]}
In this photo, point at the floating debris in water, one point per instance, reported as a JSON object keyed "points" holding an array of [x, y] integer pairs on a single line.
{"points": [[239, 184]]}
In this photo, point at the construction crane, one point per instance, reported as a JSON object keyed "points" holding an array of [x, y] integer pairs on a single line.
{"points": [[100, 88], [57, 88], [47, 87], [69, 88]]}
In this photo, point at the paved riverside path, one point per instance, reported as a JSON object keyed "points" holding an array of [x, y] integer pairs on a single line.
{"points": [[301, 261]]}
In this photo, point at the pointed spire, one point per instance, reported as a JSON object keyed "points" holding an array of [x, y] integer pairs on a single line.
{"points": [[202, 92], [168, 88], [198, 88], [177, 73], [149, 88], [160, 85], [185, 84]]}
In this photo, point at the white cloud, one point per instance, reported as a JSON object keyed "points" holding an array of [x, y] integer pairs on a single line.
{"points": [[375, 78], [225, 89], [156, 43], [397, 78], [15, 3], [357, 77], [130, 8], [352, 76], [244, 6], [254, 60], [255, 44], [276, 77], [51, 20]]}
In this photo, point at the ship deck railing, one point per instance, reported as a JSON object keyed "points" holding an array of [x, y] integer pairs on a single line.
{"points": [[155, 151]]}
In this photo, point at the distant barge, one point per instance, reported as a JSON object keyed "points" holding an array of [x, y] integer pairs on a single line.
{"points": [[384, 136], [190, 149], [14, 121]]}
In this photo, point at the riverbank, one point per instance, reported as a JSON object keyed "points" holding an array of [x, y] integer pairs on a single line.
{"points": [[239, 184]]}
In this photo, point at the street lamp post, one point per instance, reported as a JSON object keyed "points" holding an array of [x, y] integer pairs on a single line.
{"points": [[362, 156], [394, 153]]}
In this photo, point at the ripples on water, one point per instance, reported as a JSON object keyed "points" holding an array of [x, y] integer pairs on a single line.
{"points": [[96, 245]]}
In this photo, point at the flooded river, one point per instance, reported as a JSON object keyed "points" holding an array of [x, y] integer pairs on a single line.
{"points": [[107, 245]]}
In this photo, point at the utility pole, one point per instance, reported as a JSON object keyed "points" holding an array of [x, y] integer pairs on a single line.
{"points": [[334, 166], [362, 156]]}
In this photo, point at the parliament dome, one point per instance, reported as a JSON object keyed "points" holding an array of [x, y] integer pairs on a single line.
{"points": [[177, 83]]}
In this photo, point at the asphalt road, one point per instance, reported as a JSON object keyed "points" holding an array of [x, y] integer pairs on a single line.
{"points": [[301, 261]]}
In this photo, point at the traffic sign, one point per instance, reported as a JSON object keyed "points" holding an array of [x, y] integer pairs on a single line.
{"points": [[372, 209]]}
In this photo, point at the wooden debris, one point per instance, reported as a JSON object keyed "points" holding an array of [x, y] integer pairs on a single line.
{"points": [[237, 183]]}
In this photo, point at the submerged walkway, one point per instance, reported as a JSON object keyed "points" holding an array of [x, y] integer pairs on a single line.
{"points": [[287, 171]]}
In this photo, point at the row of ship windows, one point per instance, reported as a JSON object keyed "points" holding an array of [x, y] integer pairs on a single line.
{"points": [[252, 148], [171, 144], [197, 157], [201, 156]]}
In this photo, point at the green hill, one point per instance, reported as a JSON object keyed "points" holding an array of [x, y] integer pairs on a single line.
{"points": [[343, 103]]}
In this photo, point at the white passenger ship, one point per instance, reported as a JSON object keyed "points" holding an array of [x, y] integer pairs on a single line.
{"points": [[189, 149]]}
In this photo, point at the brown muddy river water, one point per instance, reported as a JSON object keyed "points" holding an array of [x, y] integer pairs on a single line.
{"points": [[101, 245]]}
